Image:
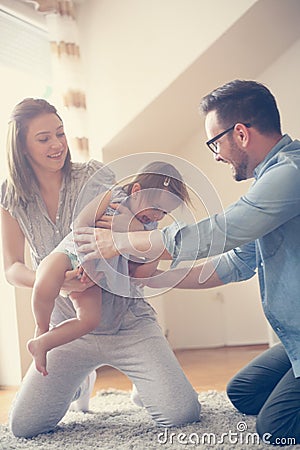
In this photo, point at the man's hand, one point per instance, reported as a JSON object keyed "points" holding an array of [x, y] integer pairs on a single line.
{"points": [[100, 243], [96, 243]]}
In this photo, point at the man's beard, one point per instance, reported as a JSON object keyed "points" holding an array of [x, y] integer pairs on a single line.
{"points": [[240, 172], [239, 163]]}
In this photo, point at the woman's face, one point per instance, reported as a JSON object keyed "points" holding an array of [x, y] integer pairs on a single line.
{"points": [[46, 144]]}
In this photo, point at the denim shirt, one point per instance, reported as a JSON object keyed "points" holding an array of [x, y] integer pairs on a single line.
{"points": [[260, 232]]}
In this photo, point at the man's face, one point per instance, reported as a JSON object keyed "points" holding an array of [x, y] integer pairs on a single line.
{"points": [[228, 149]]}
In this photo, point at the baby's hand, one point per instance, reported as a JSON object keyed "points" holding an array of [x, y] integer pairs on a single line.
{"points": [[82, 275], [123, 221], [73, 282], [72, 274]]}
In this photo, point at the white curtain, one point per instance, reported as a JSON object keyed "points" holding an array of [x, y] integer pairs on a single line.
{"points": [[68, 80]]}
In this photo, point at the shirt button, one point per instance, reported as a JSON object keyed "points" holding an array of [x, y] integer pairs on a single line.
{"points": [[57, 217], [57, 231]]}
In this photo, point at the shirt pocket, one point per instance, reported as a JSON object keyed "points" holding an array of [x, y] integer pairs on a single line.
{"points": [[271, 243]]}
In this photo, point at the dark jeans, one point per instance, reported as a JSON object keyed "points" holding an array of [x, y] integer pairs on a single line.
{"points": [[267, 387]]}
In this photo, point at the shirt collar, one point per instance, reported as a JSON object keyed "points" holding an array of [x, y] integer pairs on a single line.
{"points": [[37, 191], [284, 141]]}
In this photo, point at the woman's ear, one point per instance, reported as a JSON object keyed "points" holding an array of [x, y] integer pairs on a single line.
{"points": [[136, 188]]}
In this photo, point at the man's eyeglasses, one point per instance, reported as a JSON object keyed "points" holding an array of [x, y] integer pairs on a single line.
{"points": [[212, 144]]}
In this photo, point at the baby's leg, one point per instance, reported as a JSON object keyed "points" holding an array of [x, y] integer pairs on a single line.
{"points": [[88, 308], [50, 276], [49, 279]]}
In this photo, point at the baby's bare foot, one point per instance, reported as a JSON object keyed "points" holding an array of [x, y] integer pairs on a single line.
{"points": [[39, 355]]}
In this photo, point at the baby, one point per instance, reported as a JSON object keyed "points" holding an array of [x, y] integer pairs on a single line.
{"points": [[155, 191]]}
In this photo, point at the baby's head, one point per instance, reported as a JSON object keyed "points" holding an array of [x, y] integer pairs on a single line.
{"points": [[156, 191]]}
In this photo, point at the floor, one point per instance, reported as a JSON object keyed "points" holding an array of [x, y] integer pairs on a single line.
{"points": [[205, 368]]}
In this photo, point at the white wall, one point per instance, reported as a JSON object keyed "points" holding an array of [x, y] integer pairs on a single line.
{"points": [[282, 78], [228, 315], [10, 366], [236, 308], [133, 49]]}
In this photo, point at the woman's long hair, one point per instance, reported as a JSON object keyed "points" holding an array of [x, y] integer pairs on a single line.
{"points": [[21, 177]]}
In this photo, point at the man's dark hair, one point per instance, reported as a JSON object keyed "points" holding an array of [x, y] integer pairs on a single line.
{"points": [[245, 102]]}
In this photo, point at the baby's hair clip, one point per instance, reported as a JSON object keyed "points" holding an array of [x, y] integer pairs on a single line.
{"points": [[167, 181]]}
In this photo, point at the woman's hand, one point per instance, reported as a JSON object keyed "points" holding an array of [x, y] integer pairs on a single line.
{"points": [[123, 221], [75, 281]]}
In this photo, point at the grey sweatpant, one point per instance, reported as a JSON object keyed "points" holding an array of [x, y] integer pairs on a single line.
{"points": [[138, 349]]}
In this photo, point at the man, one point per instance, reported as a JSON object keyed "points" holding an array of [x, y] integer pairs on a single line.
{"points": [[261, 231]]}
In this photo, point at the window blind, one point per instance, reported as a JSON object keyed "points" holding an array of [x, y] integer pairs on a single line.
{"points": [[24, 46]]}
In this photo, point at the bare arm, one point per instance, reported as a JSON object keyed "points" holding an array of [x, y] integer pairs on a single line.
{"points": [[123, 221], [101, 243], [202, 276], [13, 247], [145, 270], [148, 244], [93, 211]]}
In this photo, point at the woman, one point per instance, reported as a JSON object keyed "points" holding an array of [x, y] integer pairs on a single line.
{"points": [[37, 201]]}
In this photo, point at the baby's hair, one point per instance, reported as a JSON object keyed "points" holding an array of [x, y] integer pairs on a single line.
{"points": [[160, 175]]}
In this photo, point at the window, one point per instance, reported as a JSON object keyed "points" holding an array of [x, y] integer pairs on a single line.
{"points": [[25, 66]]}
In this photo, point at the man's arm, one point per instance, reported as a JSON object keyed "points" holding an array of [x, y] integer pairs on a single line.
{"points": [[237, 265], [203, 276], [97, 242], [143, 270], [143, 244], [270, 202]]}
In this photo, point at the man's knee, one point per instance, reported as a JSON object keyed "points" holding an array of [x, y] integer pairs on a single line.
{"points": [[277, 428], [241, 399]]}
